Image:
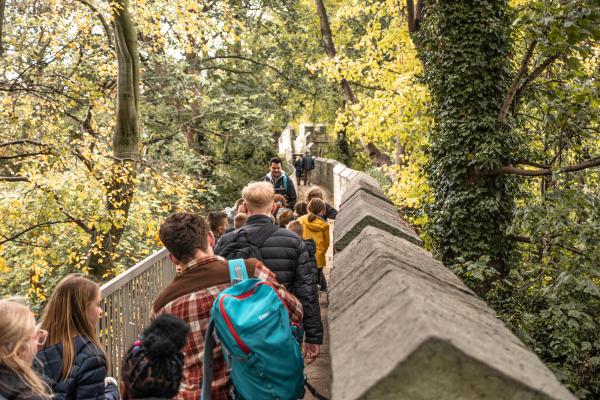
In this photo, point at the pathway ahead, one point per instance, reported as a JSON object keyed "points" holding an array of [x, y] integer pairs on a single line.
{"points": [[319, 372]]}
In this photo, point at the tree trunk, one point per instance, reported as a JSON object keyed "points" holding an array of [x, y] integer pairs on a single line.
{"points": [[120, 186], [377, 156], [2, 8], [465, 49]]}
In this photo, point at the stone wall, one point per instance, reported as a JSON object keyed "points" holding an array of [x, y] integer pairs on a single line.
{"points": [[402, 325]]}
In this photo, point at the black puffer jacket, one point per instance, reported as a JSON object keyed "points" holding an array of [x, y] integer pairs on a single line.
{"points": [[311, 248], [86, 381], [285, 254], [12, 387]]}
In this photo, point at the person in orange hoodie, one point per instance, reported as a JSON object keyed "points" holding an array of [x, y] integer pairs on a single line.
{"points": [[317, 229]]}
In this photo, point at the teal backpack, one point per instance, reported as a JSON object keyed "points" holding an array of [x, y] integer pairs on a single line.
{"points": [[253, 326]]}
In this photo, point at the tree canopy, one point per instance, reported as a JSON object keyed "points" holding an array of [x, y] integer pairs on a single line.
{"points": [[481, 118]]}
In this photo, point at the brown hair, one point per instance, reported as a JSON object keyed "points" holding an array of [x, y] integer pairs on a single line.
{"points": [[65, 317], [183, 233], [215, 219], [258, 195], [314, 193], [238, 203], [284, 218], [17, 325], [315, 207], [301, 208], [296, 227], [280, 198], [240, 220]]}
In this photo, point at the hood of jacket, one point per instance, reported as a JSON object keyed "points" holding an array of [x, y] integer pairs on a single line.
{"points": [[317, 225]]}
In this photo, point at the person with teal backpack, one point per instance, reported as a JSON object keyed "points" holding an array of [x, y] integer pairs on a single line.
{"points": [[253, 325]]}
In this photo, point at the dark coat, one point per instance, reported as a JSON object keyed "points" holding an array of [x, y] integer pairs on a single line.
{"points": [[283, 186], [12, 387], [331, 212], [298, 166], [86, 381], [285, 254], [308, 162], [311, 248]]}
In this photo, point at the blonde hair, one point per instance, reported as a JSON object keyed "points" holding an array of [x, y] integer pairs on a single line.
{"points": [[258, 195], [315, 207], [17, 325], [65, 317], [296, 227]]}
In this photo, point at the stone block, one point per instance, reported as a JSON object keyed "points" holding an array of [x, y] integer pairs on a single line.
{"points": [[328, 182], [365, 183], [363, 210], [402, 326]]}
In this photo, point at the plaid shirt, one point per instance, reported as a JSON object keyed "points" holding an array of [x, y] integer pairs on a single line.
{"points": [[194, 308]]}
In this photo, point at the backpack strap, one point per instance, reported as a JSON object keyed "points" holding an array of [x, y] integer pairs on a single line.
{"points": [[237, 271], [207, 363], [285, 185]]}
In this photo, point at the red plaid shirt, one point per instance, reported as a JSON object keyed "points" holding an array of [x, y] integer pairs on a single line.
{"points": [[194, 308]]}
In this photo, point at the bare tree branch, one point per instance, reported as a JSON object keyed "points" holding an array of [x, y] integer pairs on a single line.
{"points": [[8, 239], [534, 74], [514, 87], [14, 178], [510, 169], [102, 21], [24, 155], [21, 141]]}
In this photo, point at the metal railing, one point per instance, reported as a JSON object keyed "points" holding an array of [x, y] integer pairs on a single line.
{"points": [[127, 303]]}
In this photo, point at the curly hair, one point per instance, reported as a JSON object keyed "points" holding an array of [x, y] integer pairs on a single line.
{"points": [[153, 366]]}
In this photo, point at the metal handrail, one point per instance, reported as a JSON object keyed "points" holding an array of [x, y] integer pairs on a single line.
{"points": [[127, 303]]}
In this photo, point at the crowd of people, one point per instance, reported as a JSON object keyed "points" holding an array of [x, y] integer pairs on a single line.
{"points": [[282, 242]]}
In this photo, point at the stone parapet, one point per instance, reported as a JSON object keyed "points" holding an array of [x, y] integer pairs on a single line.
{"points": [[401, 324]]}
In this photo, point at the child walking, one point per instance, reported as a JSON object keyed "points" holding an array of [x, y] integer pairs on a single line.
{"points": [[72, 358], [317, 229], [19, 341], [153, 366]]}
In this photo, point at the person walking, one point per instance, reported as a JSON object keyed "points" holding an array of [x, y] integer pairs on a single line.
{"points": [[284, 253], [19, 341], [281, 182], [298, 167], [308, 164], [152, 368], [191, 294], [72, 358], [317, 229]]}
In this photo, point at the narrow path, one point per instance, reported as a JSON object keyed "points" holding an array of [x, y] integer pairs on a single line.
{"points": [[319, 372]]}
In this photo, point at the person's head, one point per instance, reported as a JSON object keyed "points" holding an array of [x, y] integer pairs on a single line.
{"points": [[258, 198], [240, 220], [284, 218], [153, 366], [186, 235], [218, 223], [73, 310], [19, 342], [295, 227], [300, 209], [316, 208], [275, 167], [280, 201], [306, 153], [238, 203], [314, 193]]}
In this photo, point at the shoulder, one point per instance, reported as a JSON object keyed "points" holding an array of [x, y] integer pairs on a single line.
{"points": [[88, 353]]}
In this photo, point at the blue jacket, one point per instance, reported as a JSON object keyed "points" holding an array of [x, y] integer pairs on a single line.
{"points": [[86, 381]]}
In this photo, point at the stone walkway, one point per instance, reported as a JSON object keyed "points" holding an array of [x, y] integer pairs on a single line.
{"points": [[319, 372]]}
